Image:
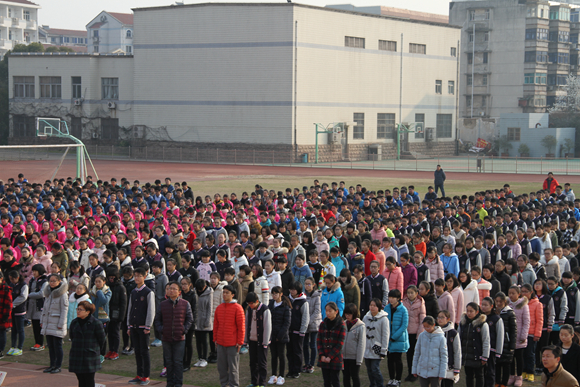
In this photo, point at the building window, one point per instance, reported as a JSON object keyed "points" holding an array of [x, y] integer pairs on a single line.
{"points": [[444, 125], [129, 34], [531, 12], [129, 49], [95, 33], [358, 131], [553, 14], [541, 78], [76, 127], [9, 12], [451, 87], [385, 125], [96, 49], [559, 57], [66, 39], [513, 134], [351, 41], [50, 87], [472, 15], [23, 126], [531, 34], [538, 78], [26, 15], [470, 58], [469, 80], [471, 37], [483, 101], [420, 118], [415, 48], [439, 87], [387, 45], [23, 87], [484, 80], [77, 87], [110, 88], [453, 51], [468, 101], [486, 37], [528, 78], [109, 128], [485, 57]]}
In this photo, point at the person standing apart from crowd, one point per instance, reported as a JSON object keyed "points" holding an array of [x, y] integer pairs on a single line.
{"points": [[330, 341], [173, 320], [141, 312], [229, 331], [377, 341], [440, 180], [87, 336], [53, 320], [550, 183], [258, 331], [430, 359]]}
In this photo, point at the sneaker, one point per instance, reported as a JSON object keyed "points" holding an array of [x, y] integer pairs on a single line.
{"points": [[511, 380], [197, 363], [244, 350], [17, 352], [518, 381], [531, 378], [37, 347], [10, 351], [251, 385], [114, 356], [202, 363], [304, 369], [273, 379], [212, 358], [55, 371], [145, 381], [163, 373], [131, 352], [136, 380], [102, 359], [391, 382], [108, 355], [310, 369], [293, 376], [280, 381], [156, 343]]}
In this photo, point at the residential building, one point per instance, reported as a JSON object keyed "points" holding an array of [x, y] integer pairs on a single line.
{"points": [[62, 37], [516, 54], [256, 76], [110, 32], [18, 23]]}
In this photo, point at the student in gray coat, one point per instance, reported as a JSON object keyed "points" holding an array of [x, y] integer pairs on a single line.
{"points": [[313, 298], [203, 321], [53, 320], [354, 346], [377, 341]]}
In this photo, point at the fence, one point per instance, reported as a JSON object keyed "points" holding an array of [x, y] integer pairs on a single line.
{"points": [[203, 155]]}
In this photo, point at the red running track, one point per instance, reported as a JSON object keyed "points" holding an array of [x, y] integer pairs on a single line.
{"points": [[37, 171]]}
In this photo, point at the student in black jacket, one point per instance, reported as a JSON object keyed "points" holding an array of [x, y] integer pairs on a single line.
{"points": [[503, 277], [426, 291], [189, 295], [129, 284], [570, 350], [285, 274], [281, 310], [117, 311], [502, 370]]}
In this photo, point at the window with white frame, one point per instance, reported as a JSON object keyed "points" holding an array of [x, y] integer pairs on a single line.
{"points": [[415, 48], [50, 87], [77, 91], [23, 87], [385, 125], [358, 131], [451, 87], [351, 41], [387, 45], [444, 125], [110, 88], [438, 86]]}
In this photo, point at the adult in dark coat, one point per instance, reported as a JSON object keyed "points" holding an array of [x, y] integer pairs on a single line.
{"points": [[439, 180], [87, 336]]}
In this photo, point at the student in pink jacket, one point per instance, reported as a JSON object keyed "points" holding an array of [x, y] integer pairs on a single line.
{"points": [[444, 299], [409, 271], [416, 308], [454, 288], [519, 304], [376, 248], [393, 274], [434, 264]]}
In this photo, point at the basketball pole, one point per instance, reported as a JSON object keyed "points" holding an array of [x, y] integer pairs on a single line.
{"points": [[61, 161]]}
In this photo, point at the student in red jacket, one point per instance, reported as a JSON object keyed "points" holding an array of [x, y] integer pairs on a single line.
{"points": [[550, 183], [229, 328]]}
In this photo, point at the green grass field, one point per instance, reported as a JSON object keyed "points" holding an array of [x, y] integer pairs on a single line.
{"points": [[280, 183]]}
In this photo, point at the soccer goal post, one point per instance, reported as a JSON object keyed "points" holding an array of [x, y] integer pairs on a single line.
{"points": [[57, 154]]}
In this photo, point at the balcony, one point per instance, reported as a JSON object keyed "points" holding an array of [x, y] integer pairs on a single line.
{"points": [[535, 67], [5, 44], [534, 89], [31, 25], [558, 67]]}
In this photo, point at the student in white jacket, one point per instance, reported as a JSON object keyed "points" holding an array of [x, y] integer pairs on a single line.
{"points": [[469, 285], [272, 276]]}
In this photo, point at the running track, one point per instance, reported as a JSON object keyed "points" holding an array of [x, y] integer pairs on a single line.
{"points": [[37, 171]]}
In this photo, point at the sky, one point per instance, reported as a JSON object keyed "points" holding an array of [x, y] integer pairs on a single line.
{"points": [[75, 15]]}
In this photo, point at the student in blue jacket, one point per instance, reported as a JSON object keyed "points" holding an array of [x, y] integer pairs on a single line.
{"points": [[399, 340], [332, 293]]}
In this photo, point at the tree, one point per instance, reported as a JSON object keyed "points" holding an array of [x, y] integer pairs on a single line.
{"points": [[59, 49], [570, 102], [549, 142]]}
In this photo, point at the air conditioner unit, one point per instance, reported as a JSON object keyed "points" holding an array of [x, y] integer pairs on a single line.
{"points": [[95, 135], [78, 102], [111, 105]]}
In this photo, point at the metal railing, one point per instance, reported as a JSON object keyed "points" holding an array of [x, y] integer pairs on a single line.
{"points": [[273, 157]]}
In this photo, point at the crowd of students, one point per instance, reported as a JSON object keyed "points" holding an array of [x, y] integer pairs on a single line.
{"points": [[325, 277]]}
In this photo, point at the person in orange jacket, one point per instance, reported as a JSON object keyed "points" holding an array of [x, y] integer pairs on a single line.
{"points": [[550, 183]]}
